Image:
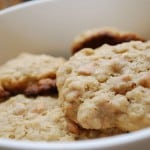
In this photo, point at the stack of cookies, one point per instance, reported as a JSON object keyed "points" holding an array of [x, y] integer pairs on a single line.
{"points": [[102, 90]]}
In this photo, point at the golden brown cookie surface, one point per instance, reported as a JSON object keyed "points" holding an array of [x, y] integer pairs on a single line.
{"points": [[107, 87], [29, 74], [41, 119], [35, 119]]}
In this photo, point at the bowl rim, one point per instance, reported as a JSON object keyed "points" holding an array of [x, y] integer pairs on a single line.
{"points": [[106, 142], [24, 5]]}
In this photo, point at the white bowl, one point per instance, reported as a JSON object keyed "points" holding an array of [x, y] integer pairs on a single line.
{"points": [[48, 26]]}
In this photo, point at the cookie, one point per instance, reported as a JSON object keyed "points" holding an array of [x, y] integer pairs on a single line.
{"points": [[35, 119], [92, 134], [107, 87], [97, 37], [42, 119], [29, 74]]}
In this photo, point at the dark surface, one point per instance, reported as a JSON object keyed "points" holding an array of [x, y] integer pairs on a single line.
{"points": [[106, 37]]}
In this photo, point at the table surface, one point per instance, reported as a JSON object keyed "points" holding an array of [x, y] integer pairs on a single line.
{"points": [[7, 3]]}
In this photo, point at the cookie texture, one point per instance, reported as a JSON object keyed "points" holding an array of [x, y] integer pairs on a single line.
{"points": [[42, 119], [97, 37], [29, 74], [86, 134], [107, 87], [36, 119]]}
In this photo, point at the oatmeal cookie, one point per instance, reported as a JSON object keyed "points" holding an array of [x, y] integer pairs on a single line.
{"points": [[92, 134], [107, 87], [97, 37], [42, 119], [29, 74], [36, 119]]}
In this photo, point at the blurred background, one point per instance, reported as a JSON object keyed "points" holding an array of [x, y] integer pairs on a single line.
{"points": [[8, 3]]}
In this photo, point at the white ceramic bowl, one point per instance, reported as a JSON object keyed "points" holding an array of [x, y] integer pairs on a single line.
{"points": [[48, 26]]}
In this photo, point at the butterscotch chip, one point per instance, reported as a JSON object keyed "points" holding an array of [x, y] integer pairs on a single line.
{"points": [[97, 37], [29, 74], [36, 119], [107, 87]]}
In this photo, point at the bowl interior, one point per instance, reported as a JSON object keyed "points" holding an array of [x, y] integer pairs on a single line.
{"points": [[49, 26]]}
